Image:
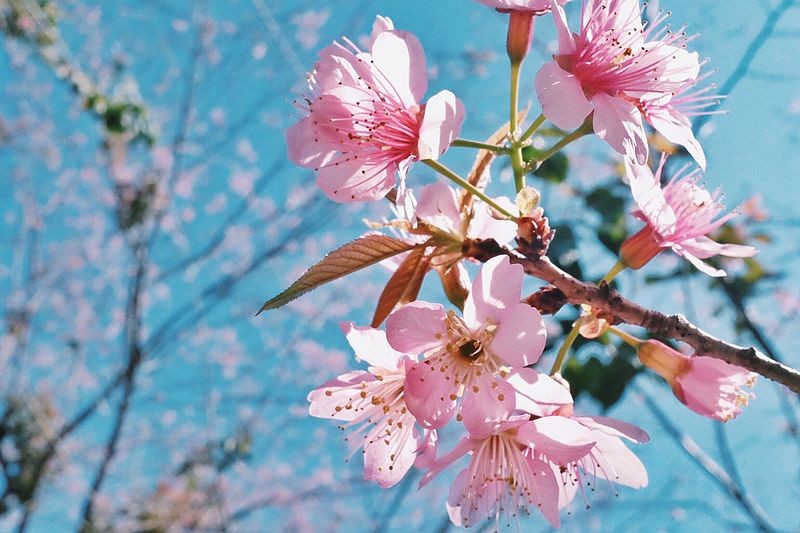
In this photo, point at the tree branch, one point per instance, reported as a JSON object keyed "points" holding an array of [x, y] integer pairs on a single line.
{"points": [[669, 326]]}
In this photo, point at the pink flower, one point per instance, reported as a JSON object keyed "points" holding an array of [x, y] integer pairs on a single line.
{"points": [[469, 356], [678, 217], [539, 7], [550, 403], [439, 206], [706, 385], [376, 400], [365, 124], [509, 470], [607, 67]]}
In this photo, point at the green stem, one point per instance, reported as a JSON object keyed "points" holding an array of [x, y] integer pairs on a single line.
{"points": [[568, 342], [630, 339], [467, 143], [461, 182], [614, 272], [532, 129], [584, 129], [517, 163]]}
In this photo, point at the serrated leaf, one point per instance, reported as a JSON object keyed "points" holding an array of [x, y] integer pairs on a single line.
{"points": [[404, 285], [353, 256]]}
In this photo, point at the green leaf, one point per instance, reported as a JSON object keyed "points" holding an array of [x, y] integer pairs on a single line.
{"points": [[554, 169], [605, 381], [353, 256], [564, 251]]}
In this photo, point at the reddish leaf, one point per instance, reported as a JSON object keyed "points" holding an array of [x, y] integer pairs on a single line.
{"points": [[404, 285], [360, 253]]}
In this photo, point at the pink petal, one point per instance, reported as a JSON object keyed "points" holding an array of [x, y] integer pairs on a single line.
{"points": [[426, 452], [676, 66], [356, 180], [566, 41], [520, 336], [705, 268], [485, 226], [466, 508], [380, 25], [430, 395], [612, 460], [703, 247], [370, 345], [649, 196], [538, 394], [614, 427], [303, 145], [441, 123], [386, 464], [619, 123], [546, 490], [417, 327], [487, 403], [677, 129], [328, 400], [438, 205], [562, 440], [400, 59], [464, 446], [561, 96], [497, 287]]}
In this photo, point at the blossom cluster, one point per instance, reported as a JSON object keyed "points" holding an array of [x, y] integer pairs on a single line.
{"points": [[528, 449], [364, 125]]}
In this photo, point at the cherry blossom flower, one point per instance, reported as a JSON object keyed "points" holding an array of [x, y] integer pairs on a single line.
{"points": [[678, 217], [706, 385], [606, 68], [469, 356], [503, 476], [376, 400], [364, 122], [550, 403], [439, 206]]}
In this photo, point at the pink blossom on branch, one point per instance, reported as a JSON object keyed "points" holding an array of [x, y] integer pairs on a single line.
{"points": [[550, 405], [365, 124], [468, 357], [679, 217], [706, 385], [607, 67], [375, 400]]}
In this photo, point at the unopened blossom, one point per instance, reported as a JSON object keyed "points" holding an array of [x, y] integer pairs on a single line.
{"points": [[680, 216], [468, 357], [375, 401], [521, 22], [607, 67], [550, 405], [365, 122], [706, 385]]}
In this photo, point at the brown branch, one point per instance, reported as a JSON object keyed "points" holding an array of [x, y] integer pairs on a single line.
{"points": [[669, 326]]}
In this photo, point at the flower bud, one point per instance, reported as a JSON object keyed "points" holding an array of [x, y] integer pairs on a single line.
{"points": [[520, 33], [637, 250], [534, 234], [706, 385]]}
